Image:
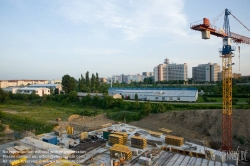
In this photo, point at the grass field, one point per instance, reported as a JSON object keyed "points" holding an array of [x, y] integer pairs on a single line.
{"points": [[48, 112], [219, 99]]}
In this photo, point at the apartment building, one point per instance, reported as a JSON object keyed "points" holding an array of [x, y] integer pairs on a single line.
{"points": [[206, 72], [170, 71], [7, 83]]}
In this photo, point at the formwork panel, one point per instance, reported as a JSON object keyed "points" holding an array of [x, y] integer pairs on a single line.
{"points": [[115, 139], [138, 142], [118, 150], [174, 140]]}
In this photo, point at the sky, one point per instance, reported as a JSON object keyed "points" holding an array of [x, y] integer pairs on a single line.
{"points": [[46, 39]]}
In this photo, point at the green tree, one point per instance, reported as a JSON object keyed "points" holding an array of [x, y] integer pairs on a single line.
{"points": [[108, 101], [136, 105], [147, 108], [3, 95], [93, 82], [86, 100], [136, 96], [96, 101], [73, 96], [87, 79], [97, 81], [160, 107], [68, 83], [83, 79], [80, 85]]}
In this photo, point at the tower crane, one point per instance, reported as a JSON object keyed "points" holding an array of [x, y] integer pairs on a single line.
{"points": [[226, 54]]}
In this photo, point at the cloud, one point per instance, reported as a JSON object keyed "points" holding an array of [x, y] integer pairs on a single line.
{"points": [[135, 19]]}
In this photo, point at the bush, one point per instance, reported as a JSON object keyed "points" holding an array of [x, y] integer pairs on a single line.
{"points": [[234, 101], [206, 99], [120, 116], [1, 127]]}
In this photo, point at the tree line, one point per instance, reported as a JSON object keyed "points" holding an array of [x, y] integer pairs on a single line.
{"points": [[84, 84]]}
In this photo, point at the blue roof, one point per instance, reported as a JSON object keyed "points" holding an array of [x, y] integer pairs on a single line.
{"points": [[43, 85], [152, 89]]}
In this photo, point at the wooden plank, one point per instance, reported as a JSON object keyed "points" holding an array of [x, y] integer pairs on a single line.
{"points": [[165, 130], [106, 125], [12, 151]]}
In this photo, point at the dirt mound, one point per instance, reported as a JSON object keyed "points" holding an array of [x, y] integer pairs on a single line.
{"points": [[7, 130], [73, 117], [28, 134], [87, 123], [200, 126]]}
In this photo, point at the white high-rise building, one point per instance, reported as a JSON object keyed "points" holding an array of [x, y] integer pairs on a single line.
{"points": [[168, 72], [206, 72]]}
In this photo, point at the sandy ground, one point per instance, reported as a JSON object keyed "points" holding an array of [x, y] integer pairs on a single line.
{"points": [[84, 123], [200, 126]]}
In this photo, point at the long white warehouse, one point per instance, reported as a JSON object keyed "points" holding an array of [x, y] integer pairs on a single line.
{"points": [[157, 94]]}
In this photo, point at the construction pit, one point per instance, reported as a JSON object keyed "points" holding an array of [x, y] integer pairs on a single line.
{"points": [[114, 144]]}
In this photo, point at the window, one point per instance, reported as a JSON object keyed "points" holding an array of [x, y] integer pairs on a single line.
{"points": [[156, 97], [170, 98], [178, 98], [48, 90], [36, 91], [163, 98]]}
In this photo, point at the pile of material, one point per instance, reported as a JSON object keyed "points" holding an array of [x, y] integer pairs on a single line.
{"points": [[125, 136], [138, 142], [174, 140], [118, 151], [115, 139]]}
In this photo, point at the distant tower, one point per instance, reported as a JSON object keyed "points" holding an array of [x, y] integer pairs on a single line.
{"points": [[166, 61]]}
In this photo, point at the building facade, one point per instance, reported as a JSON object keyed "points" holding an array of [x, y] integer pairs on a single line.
{"points": [[49, 86], [168, 72], [158, 94], [28, 90], [7, 83], [206, 72], [148, 74], [236, 75], [126, 78]]}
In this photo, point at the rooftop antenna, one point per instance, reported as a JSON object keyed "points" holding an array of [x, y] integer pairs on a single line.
{"points": [[239, 57]]}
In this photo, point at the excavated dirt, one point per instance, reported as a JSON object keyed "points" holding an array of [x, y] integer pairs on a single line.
{"points": [[200, 126], [84, 123]]}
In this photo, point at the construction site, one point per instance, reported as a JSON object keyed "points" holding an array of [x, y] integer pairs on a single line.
{"points": [[187, 138], [113, 144]]}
